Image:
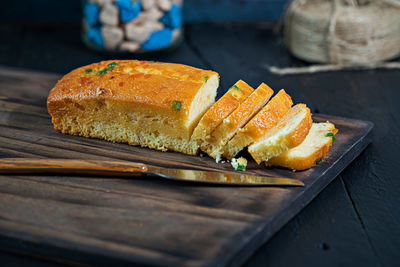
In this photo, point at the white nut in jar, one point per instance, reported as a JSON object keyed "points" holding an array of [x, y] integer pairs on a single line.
{"points": [[101, 2], [153, 25], [151, 14], [178, 2], [109, 15], [137, 33], [164, 4], [148, 4], [141, 32], [129, 46], [112, 36]]}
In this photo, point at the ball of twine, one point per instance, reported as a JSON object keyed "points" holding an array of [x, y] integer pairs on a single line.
{"points": [[343, 33]]}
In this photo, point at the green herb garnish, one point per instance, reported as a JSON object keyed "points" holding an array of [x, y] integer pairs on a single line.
{"points": [[103, 71], [109, 67], [112, 65], [88, 71], [176, 105], [152, 61], [318, 161], [241, 168], [235, 87], [205, 78], [330, 134]]}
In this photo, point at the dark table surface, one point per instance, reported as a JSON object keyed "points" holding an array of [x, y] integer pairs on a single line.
{"points": [[355, 220]]}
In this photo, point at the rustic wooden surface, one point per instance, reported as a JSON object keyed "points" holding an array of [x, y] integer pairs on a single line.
{"points": [[354, 221], [141, 220]]}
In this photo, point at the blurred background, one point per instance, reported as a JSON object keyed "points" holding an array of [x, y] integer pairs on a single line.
{"points": [[45, 35], [237, 38], [195, 11]]}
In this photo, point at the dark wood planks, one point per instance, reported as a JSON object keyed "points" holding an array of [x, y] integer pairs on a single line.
{"points": [[143, 220], [313, 240], [371, 183]]}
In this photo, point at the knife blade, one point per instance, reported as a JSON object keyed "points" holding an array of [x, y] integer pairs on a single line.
{"points": [[125, 168]]}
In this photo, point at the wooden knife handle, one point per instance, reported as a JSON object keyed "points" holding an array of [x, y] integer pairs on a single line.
{"points": [[70, 166]]}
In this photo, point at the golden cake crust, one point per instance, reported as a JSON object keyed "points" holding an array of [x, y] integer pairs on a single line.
{"points": [[140, 82]]}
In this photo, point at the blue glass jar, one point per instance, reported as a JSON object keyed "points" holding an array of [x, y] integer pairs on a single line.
{"points": [[133, 26]]}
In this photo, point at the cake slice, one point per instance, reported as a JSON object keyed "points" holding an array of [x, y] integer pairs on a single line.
{"points": [[220, 110], [310, 151], [155, 105], [268, 116], [230, 125], [289, 132]]}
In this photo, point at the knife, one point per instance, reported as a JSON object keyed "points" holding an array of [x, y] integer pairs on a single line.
{"points": [[126, 168]]}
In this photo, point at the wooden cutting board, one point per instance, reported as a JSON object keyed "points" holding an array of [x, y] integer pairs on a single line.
{"points": [[144, 220]]}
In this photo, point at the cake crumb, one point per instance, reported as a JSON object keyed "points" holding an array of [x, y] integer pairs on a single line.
{"points": [[239, 164]]}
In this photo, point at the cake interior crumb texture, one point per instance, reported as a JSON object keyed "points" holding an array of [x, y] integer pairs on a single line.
{"points": [[268, 116], [310, 151], [231, 125], [289, 132], [220, 110]]}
